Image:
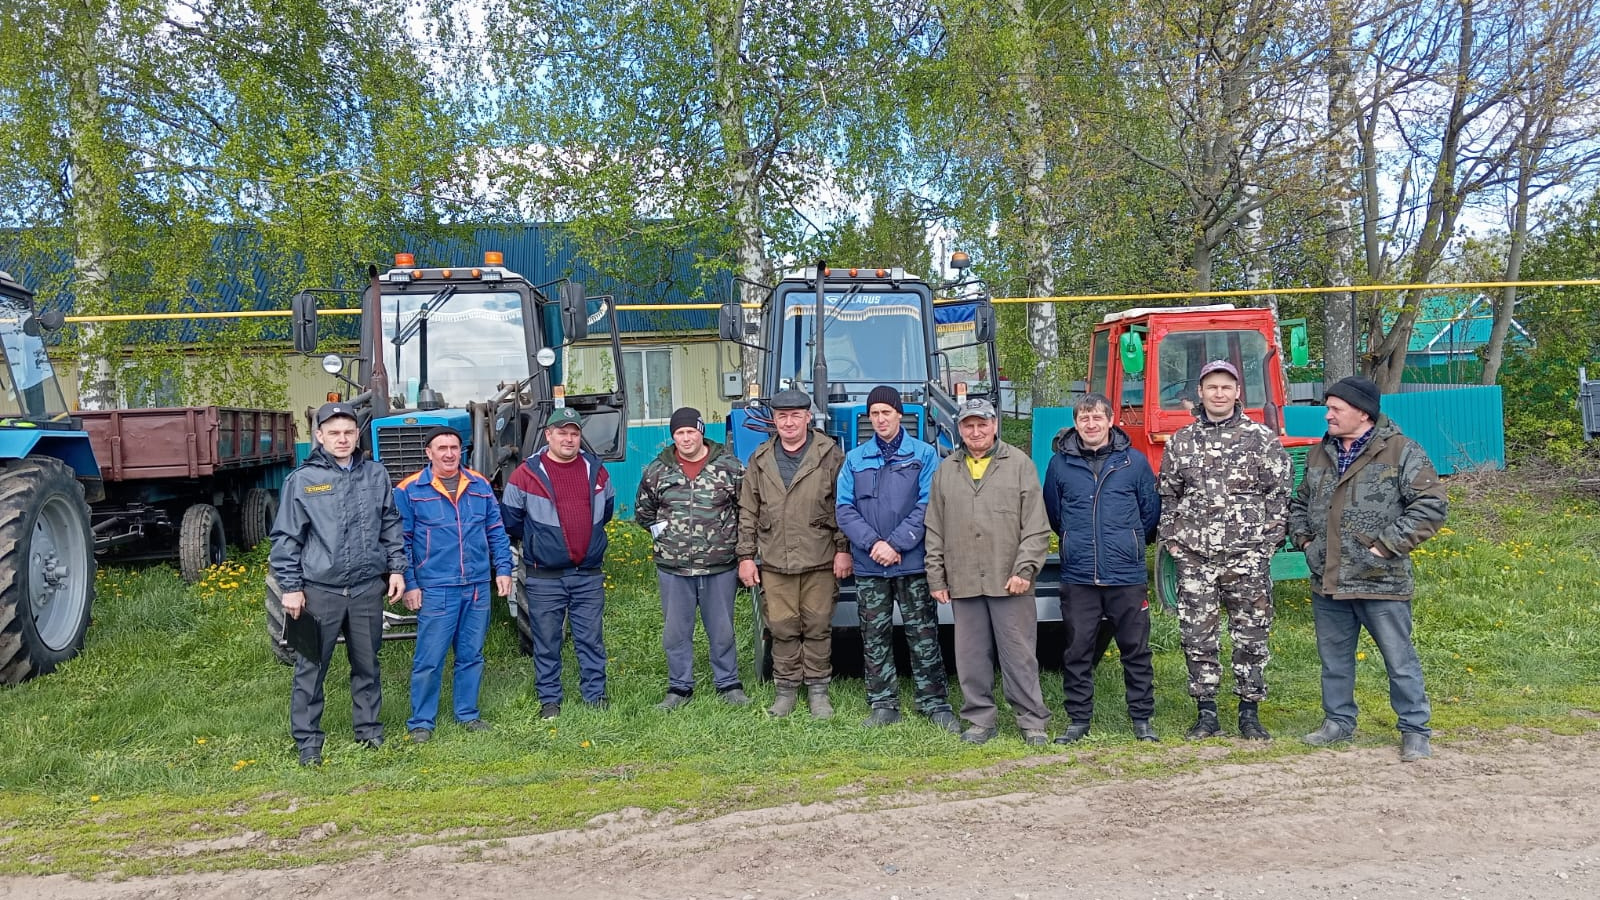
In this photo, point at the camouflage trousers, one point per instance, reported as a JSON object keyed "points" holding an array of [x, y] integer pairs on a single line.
{"points": [[876, 598], [1241, 585]]}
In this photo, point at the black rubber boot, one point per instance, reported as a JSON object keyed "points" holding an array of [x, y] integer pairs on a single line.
{"points": [[1205, 725], [1250, 724]]}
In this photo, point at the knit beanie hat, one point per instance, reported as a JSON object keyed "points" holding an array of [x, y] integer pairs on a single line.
{"points": [[1362, 393], [887, 395], [686, 417]]}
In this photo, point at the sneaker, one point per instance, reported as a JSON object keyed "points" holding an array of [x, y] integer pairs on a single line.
{"points": [[549, 710], [947, 720], [1075, 732], [734, 696], [881, 716], [420, 735], [1205, 726], [1144, 731], [1035, 737], [1330, 732], [311, 757], [1414, 746], [978, 734], [476, 725], [673, 701]]}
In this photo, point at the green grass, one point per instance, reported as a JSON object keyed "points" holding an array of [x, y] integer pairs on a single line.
{"points": [[165, 747]]}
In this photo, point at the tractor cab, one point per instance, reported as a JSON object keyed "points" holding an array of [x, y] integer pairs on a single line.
{"points": [[475, 348], [1148, 361], [838, 333]]}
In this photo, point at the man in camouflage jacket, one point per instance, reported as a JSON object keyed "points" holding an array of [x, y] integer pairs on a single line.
{"points": [[1224, 488], [689, 502], [1370, 496]]}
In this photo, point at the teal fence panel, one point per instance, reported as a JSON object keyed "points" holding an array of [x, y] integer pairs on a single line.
{"points": [[1460, 428], [1047, 421], [644, 444]]}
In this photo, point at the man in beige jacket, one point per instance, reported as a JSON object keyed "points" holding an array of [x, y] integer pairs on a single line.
{"points": [[987, 539], [786, 516]]}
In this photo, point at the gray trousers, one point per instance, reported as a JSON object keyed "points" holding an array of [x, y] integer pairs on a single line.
{"points": [[356, 612], [713, 596], [1007, 627]]}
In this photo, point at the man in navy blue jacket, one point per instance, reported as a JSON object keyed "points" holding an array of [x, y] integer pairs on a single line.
{"points": [[881, 498], [1101, 498]]}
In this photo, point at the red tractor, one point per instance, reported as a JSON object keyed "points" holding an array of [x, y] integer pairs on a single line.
{"points": [[1147, 361]]}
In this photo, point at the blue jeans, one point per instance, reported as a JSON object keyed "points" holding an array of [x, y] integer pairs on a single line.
{"points": [[577, 599], [1339, 624], [713, 595], [450, 617]]}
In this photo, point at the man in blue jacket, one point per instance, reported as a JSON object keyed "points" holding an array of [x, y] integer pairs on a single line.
{"points": [[1101, 498], [559, 501], [882, 496], [337, 550], [454, 539]]}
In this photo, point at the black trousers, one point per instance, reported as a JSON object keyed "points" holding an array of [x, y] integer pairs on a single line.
{"points": [[1126, 610]]}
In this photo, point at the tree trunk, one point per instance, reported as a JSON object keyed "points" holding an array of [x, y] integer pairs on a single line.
{"points": [[1339, 308], [92, 203], [1037, 234], [725, 31], [1506, 307]]}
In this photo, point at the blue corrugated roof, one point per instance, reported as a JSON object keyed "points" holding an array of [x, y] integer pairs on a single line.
{"points": [[242, 276]]}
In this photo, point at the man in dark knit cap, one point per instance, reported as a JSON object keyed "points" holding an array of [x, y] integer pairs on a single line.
{"points": [[786, 517], [882, 499], [689, 502], [1369, 497]]}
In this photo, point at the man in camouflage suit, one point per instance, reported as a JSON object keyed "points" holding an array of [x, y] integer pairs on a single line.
{"points": [[1224, 488], [689, 502], [882, 497]]}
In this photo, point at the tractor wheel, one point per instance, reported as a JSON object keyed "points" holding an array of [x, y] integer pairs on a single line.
{"points": [[275, 623], [760, 640], [46, 568], [519, 604], [255, 517], [1166, 580], [201, 541]]}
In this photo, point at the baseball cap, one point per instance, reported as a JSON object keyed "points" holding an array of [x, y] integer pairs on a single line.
{"points": [[978, 407], [564, 415], [791, 399], [331, 410], [1219, 365]]}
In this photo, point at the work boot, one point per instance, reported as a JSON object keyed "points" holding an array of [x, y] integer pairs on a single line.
{"points": [[311, 757], [734, 696], [881, 716], [475, 725], [977, 734], [1075, 732], [1205, 726], [947, 720], [673, 700], [1414, 746], [1250, 725], [784, 701], [1035, 737], [1144, 731], [817, 696], [420, 735], [1330, 732]]}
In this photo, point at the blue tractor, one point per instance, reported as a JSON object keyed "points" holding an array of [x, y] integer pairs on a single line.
{"points": [[48, 476], [479, 349], [837, 333]]}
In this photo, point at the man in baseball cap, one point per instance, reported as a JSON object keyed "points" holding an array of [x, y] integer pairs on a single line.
{"points": [[558, 502], [1224, 488]]}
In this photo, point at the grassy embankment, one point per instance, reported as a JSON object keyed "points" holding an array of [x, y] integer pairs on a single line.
{"points": [[164, 745]]}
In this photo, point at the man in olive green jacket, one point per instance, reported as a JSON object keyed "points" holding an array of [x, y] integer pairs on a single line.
{"points": [[786, 517], [986, 541]]}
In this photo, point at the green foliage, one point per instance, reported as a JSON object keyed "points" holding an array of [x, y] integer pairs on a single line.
{"points": [[165, 746]]}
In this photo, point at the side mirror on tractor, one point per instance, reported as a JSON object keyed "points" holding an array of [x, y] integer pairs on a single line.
{"points": [[574, 311], [983, 323], [730, 321], [303, 322], [1131, 348], [1299, 346]]}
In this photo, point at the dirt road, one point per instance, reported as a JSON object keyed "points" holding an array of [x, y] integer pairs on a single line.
{"points": [[1500, 819]]}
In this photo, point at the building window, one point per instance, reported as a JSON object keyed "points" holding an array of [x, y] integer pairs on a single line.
{"points": [[649, 375]]}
